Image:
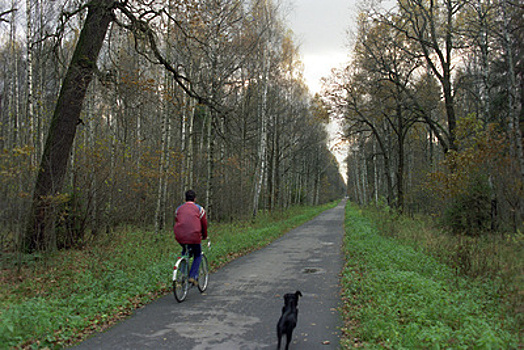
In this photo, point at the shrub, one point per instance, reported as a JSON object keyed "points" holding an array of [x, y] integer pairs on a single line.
{"points": [[470, 212]]}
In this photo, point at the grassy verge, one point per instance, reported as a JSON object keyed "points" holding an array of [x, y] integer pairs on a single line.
{"points": [[397, 297], [494, 257], [61, 299]]}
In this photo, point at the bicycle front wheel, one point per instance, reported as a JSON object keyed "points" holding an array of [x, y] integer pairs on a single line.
{"points": [[180, 280], [203, 274]]}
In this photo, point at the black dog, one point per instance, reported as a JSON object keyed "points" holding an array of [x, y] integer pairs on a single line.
{"points": [[288, 320]]}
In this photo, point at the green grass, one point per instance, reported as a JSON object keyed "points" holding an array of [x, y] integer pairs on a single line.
{"points": [[396, 297], [492, 256], [59, 300]]}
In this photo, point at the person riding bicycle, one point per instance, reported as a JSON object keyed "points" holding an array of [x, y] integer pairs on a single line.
{"points": [[190, 228]]}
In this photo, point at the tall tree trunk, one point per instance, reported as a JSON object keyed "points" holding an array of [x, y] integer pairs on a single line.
{"points": [[164, 141], [318, 176], [513, 118], [90, 143], [62, 131], [190, 115], [356, 178], [29, 72], [274, 165], [363, 171], [262, 112], [39, 104], [375, 171], [483, 39], [401, 161], [13, 112], [210, 163]]}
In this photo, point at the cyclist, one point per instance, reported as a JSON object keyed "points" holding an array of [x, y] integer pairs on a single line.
{"points": [[190, 228]]}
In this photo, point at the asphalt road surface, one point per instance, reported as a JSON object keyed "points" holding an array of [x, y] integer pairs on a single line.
{"points": [[244, 299]]}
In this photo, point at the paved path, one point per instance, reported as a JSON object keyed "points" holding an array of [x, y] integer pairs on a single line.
{"points": [[243, 302]]}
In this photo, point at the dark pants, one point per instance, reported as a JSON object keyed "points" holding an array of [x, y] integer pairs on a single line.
{"points": [[195, 250]]}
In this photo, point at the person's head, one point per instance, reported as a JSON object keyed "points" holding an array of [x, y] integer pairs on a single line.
{"points": [[190, 196]]}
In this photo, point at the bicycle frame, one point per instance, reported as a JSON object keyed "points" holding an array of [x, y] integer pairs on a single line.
{"points": [[184, 283], [187, 256], [178, 262]]}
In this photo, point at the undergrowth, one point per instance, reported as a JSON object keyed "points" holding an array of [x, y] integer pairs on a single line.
{"points": [[396, 296], [57, 300]]}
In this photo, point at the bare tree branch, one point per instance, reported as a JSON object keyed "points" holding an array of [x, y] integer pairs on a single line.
{"points": [[5, 13]]}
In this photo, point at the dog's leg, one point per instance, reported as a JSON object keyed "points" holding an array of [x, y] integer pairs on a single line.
{"points": [[289, 336], [279, 336]]}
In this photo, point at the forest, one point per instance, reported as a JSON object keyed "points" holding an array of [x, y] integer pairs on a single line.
{"points": [[431, 101], [110, 110]]}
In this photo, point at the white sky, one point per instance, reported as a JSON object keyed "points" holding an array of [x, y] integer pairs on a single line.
{"points": [[320, 28]]}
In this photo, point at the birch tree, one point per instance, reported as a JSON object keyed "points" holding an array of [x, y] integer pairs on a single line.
{"points": [[264, 14], [29, 70], [208, 66]]}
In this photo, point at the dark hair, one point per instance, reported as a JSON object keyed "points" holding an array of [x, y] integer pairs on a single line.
{"points": [[190, 195]]}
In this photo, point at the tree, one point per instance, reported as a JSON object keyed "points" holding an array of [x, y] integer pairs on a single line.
{"points": [[514, 119], [114, 156], [433, 26], [393, 70], [69, 105], [420, 70], [264, 15], [5, 13], [63, 126]]}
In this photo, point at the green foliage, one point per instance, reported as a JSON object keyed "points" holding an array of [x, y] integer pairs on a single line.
{"points": [[78, 289], [55, 302], [470, 211], [474, 184], [495, 257], [397, 297]]}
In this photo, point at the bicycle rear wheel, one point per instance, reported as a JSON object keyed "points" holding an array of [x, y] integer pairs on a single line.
{"points": [[203, 274], [180, 280]]}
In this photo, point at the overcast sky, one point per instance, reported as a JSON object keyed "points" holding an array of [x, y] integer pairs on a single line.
{"points": [[320, 27], [321, 30]]}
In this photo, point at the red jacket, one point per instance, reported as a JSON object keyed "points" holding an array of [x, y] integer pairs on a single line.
{"points": [[190, 223]]}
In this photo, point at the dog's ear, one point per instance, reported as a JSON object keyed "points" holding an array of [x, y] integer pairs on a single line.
{"points": [[297, 293]]}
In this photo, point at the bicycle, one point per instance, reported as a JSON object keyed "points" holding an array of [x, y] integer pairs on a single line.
{"points": [[181, 284]]}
